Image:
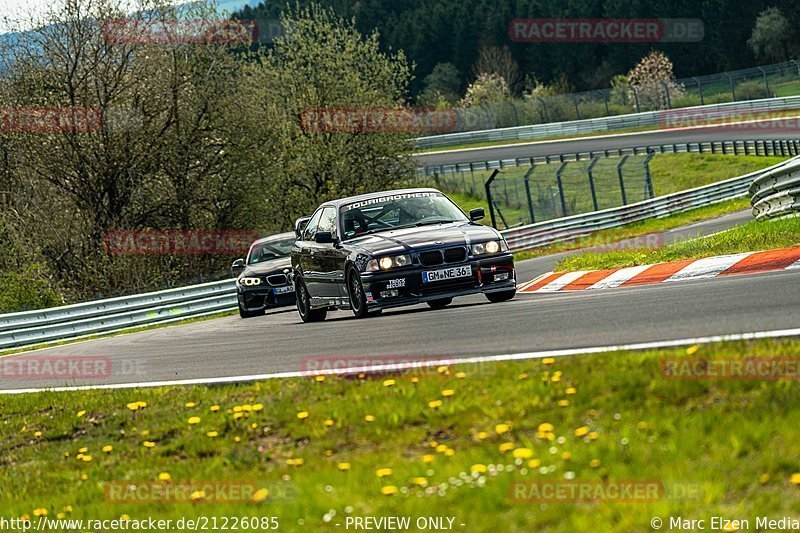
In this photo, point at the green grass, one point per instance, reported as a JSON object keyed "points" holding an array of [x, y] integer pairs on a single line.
{"points": [[734, 444], [678, 172], [646, 227], [750, 237]]}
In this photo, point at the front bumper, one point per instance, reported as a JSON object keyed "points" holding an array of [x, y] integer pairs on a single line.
{"points": [[405, 286], [264, 297]]}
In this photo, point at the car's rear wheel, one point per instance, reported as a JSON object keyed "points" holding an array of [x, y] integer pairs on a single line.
{"points": [[304, 304], [358, 299], [497, 297], [440, 303], [244, 313]]}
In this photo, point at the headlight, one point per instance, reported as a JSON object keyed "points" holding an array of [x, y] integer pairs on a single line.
{"points": [[386, 263], [249, 282], [483, 248]]}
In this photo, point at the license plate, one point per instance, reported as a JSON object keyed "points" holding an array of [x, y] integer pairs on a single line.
{"points": [[284, 290], [447, 273]]}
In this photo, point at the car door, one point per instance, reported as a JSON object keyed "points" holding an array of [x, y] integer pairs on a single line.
{"points": [[326, 257], [307, 253]]}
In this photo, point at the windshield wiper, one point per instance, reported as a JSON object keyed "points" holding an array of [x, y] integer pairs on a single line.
{"points": [[433, 222]]}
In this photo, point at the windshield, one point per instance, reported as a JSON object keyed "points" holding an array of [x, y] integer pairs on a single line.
{"points": [[395, 211], [270, 250]]}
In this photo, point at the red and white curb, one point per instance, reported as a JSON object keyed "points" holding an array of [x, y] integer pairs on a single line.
{"points": [[709, 267]]}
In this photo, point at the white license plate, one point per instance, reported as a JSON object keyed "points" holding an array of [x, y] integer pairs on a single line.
{"points": [[446, 273], [284, 290]]}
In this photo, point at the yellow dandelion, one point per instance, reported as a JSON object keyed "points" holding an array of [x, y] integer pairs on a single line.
{"points": [[443, 370], [80, 414], [253, 425], [68, 509], [369, 418], [343, 466], [448, 392], [107, 449], [389, 490], [124, 518], [545, 427], [328, 453], [594, 463], [60, 516], [523, 375], [214, 408], [258, 407], [433, 444], [212, 434], [302, 415], [194, 420], [482, 435], [237, 409], [691, 350], [83, 450], [197, 495], [237, 439], [141, 405], [441, 448], [449, 452], [145, 432], [566, 456], [388, 383], [383, 472], [506, 447], [523, 453], [84, 477], [570, 390], [190, 405], [478, 468], [501, 428], [795, 478], [556, 378], [415, 379], [320, 378], [298, 461], [328, 422], [593, 435], [247, 407], [40, 512], [149, 444], [133, 406], [25, 517], [563, 403], [581, 431], [79, 456], [86, 458], [419, 481], [66, 454], [461, 375], [427, 458], [548, 361], [164, 476], [534, 463], [237, 416], [435, 404], [37, 434], [260, 495]]}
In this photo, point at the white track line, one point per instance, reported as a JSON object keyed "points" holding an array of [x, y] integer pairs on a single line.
{"points": [[619, 277], [707, 268], [429, 363], [562, 281]]}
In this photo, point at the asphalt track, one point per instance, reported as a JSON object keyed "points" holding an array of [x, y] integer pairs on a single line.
{"points": [[724, 132], [471, 327]]}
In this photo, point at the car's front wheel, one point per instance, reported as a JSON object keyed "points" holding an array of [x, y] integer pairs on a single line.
{"points": [[497, 297], [358, 299], [304, 304], [244, 313]]}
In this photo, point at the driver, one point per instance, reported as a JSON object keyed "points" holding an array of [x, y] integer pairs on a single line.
{"points": [[417, 209]]}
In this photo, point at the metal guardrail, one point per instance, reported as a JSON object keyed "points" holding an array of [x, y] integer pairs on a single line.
{"points": [[105, 316], [687, 116], [569, 228], [760, 147], [777, 192]]}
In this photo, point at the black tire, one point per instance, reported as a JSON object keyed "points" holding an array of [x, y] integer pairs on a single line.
{"points": [[440, 303], [358, 300], [244, 313], [497, 297], [304, 304]]}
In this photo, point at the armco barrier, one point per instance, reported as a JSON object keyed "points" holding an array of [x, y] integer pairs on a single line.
{"points": [[565, 229], [706, 114], [777, 192]]}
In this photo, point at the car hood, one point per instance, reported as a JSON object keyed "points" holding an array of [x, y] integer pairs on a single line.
{"points": [[408, 239], [276, 266]]}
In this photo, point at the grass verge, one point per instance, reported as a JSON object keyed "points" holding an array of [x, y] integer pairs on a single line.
{"points": [[455, 441], [750, 237]]}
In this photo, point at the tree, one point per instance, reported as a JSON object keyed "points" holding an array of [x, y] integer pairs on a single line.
{"points": [[653, 81], [771, 36], [486, 90], [441, 85], [498, 60]]}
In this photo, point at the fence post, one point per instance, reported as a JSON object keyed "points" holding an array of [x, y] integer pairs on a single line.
{"points": [[528, 191], [730, 82], [766, 81], [700, 90], [544, 107], [488, 187], [577, 111], [605, 101], [666, 92], [621, 180], [591, 182], [636, 98], [561, 188], [648, 179]]}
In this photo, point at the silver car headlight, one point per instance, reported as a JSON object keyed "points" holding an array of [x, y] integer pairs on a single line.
{"points": [[387, 263], [486, 248]]}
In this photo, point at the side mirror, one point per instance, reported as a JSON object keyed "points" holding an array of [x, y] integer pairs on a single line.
{"points": [[239, 263], [324, 237], [300, 225], [477, 214]]}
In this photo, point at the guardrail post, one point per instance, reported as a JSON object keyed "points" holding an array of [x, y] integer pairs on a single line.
{"points": [[621, 180], [561, 188], [648, 179], [591, 182], [528, 191], [488, 187]]}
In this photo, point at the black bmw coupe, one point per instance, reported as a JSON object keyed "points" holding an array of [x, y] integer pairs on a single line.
{"points": [[389, 249], [263, 282]]}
